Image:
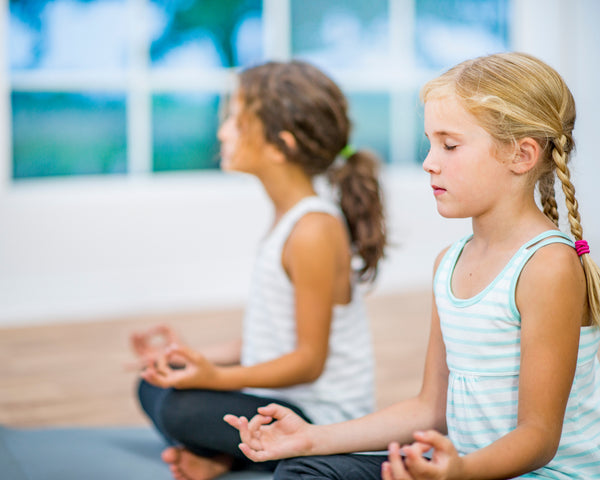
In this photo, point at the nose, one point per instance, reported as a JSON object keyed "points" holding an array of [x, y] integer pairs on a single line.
{"points": [[223, 129], [429, 164]]}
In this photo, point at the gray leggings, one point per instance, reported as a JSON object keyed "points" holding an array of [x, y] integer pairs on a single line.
{"points": [[331, 467], [194, 419]]}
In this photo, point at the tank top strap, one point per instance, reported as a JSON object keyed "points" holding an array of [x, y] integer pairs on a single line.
{"points": [[448, 261], [548, 237], [545, 238], [287, 222], [526, 252]]}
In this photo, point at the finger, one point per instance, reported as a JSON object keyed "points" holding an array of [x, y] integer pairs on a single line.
{"points": [[137, 343], [252, 438], [135, 365], [151, 376], [232, 420], [415, 462], [181, 350], [420, 467], [395, 462], [162, 365], [433, 438], [176, 350], [169, 334], [259, 420], [245, 434], [275, 410], [255, 455], [418, 448], [386, 471]]}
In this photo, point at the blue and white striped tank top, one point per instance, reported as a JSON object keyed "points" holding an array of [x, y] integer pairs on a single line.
{"points": [[482, 336]]}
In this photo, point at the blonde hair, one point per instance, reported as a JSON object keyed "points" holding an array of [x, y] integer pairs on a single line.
{"points": [[515, 96]]}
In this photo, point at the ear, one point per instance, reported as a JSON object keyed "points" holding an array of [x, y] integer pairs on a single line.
{"points": [[527, 154], [289, 139], [290, 142]]}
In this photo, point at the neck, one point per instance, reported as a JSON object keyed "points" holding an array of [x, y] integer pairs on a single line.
{"points": [[287, 188], [511, 229]]}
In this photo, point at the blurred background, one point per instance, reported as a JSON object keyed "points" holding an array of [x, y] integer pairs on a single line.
{"points": [[111, 198]]}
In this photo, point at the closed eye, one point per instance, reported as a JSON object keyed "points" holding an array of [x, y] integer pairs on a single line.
{"points": [[449, 147]]}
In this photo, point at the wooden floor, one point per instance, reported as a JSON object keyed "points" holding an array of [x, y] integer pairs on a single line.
{"points": [[73, 373]]}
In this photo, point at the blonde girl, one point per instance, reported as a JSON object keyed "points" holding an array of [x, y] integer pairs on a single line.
{"points": [[512, 380], [306, 340]]}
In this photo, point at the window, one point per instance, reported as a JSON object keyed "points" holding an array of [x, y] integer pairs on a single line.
{"points": [[123, 87]]}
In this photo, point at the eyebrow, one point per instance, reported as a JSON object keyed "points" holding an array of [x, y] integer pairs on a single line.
{"points": [[444, 133]]}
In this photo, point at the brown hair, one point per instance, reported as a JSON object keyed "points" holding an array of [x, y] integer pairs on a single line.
{"points": [[297, 97], [514, 96]]}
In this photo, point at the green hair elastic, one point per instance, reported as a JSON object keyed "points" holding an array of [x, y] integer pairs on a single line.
{"points": [[347, 151]]}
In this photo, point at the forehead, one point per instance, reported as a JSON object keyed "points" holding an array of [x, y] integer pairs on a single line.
{"points": [[446, 114]]}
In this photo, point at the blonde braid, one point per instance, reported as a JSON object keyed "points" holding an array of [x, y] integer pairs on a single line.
{"points": [[548, 197], [591, 270], [562, 171]]}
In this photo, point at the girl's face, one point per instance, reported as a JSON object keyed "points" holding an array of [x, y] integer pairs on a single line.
{"points": [[241, 140], [466, 176]]}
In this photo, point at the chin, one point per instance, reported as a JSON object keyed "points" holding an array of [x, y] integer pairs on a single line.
{"points": [[447, 213], [225, 165]]}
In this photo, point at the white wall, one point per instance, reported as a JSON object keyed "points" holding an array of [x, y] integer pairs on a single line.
{"points": [[78, 250], [73, 250]]}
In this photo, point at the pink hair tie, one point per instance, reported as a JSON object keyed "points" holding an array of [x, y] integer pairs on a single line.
{"points": [[581, 247]]}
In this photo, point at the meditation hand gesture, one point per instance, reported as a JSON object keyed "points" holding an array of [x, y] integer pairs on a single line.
{"points": [[409, 463], [181, 367], [150, 344], [275, 432]]}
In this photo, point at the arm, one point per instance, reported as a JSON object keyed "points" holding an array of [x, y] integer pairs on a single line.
{"points": [[224, 353], [317, 259], [290, 436], [551, 298]]}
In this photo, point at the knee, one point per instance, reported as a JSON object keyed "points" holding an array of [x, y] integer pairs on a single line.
{"points": [[298, 468], [148, 396], [179, 413]]}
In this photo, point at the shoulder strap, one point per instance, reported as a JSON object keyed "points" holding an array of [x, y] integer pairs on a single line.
{"points": [[307, 205], [448, 261], [546, 238]]}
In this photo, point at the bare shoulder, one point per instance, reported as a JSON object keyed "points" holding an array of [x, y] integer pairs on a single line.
{"points": [[439, 257], [553, 280], [317, 228], [554, 263]]}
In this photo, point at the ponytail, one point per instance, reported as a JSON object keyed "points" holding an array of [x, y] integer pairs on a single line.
{"points": [[360, 199], [592, 273]]}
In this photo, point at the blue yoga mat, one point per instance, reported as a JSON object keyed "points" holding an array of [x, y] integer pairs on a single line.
{"points": [[94, 453]]}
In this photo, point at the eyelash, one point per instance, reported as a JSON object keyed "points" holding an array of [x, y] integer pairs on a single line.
{"points": [[449, 147]]}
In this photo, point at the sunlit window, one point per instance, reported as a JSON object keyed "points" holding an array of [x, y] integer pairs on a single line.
{"points": [[184, 132], [122, 87]]}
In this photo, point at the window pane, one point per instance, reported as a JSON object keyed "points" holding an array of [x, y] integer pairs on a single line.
{"points": [[68, 34], [370, 115], [207, 33], [465, 29], [341, 33], [68, 134], [185, 131]]}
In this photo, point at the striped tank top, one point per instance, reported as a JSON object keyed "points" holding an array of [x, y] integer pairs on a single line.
{"points": [[345, 388], [482, 337]]}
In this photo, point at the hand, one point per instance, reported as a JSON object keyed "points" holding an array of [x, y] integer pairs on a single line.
{"points": [[445, 463], [181, 367], [150, 344], [275, 432]]}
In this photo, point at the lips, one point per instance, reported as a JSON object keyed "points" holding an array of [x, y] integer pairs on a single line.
{"points": [[437, 190]]}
